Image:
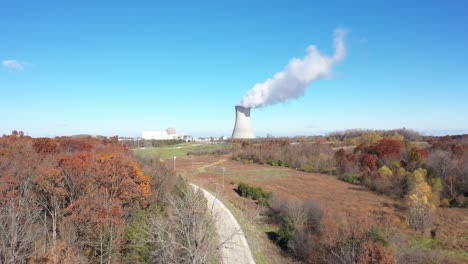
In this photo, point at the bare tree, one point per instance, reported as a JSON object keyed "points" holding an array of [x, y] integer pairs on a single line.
{"points": [[445, 166], [186, 234], [17, 230]]}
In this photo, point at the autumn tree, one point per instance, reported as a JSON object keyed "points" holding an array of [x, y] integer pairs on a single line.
{"points": [[376, 253], [76, 172], [19, 231], [388, 148], [45, 146], [445, 166], [19, 215], [415, 158], [114, 189], [51, 194], [422, 202], [369, 161], [346, 162]]}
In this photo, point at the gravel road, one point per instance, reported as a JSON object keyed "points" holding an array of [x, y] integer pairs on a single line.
{"points": [[234, 246]]}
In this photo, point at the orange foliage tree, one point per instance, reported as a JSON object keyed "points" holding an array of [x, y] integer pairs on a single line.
{"points": [[86, 189]]}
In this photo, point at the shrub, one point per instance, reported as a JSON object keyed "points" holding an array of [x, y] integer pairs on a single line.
{"points": [[298, 221], [255, 193], [445, 202], [353, 179], [375, 253], [453, 202], [286, 232], [465, 203]]}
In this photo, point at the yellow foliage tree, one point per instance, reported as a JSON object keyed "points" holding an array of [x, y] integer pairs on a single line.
{"points": [[370, 138], [422, 200]]}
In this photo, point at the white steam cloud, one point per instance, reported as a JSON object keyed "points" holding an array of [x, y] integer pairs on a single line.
{"points": [[296, 77], [12, 65]]}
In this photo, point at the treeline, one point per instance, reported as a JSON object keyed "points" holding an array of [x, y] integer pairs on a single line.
{"points": [[386, 166], [87, 200], [310, 157], [401, 133]]}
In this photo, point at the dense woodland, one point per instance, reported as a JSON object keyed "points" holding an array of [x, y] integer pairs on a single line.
{"points": [[88, 200]]}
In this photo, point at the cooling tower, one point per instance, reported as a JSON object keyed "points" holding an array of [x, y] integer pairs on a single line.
{"points": [[243, 127]]}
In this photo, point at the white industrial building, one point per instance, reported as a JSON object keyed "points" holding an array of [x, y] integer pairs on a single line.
{"points": [[167, 134]]}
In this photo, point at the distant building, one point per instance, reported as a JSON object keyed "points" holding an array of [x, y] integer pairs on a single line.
{"points": [[168, 134], [171, 131]]}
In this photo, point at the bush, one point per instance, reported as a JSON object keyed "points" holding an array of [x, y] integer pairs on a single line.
{"points": [[465, 203], [353, 179], [298, 220], [255, 193], [453, 202], [286, 232]]}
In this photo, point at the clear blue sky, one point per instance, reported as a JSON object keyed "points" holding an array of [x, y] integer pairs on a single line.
{"points": [[120, 67]]}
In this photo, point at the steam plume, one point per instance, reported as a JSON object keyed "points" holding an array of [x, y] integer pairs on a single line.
{"points": [[296, 77]]}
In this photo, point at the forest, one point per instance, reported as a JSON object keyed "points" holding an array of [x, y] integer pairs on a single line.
{"points": [[90, 200]]}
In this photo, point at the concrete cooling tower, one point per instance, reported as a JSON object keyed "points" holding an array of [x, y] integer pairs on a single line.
{"points": [[243, 127]]}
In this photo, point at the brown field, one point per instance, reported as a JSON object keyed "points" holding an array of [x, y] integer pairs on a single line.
{"points": [[344, 198]]}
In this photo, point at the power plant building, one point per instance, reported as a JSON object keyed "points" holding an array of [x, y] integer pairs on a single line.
{"points": [[168, 134]]}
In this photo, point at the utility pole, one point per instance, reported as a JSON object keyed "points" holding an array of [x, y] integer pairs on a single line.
{"points": [[175, 165], [223, 178]]}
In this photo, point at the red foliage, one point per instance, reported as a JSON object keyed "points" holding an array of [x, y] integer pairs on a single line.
{"points": [[45, 146], [80, 185], [388, 147], [69, 145], [416, 154], [345, 161], [369, 161], [457, 151], [376, 253]]}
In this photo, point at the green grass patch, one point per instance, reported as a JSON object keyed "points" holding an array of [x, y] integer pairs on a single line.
{"points": [[169, 152], [353, 179], [427, 243]]}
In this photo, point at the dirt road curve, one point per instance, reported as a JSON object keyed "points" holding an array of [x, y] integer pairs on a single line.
{"points": [[234, 247]]}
